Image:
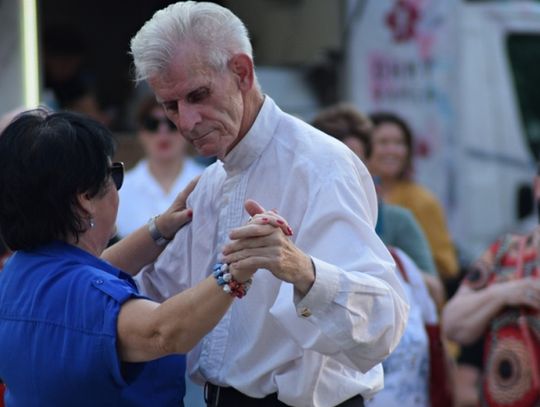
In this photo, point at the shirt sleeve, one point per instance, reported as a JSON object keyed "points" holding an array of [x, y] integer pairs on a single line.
{"points": [[356, 310]]}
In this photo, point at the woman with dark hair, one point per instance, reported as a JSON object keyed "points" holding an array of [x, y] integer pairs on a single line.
{"points": [[74, 330], [391, 162]]}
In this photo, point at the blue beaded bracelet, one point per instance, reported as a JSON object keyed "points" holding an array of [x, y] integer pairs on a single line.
{"points": [[226, 280]]}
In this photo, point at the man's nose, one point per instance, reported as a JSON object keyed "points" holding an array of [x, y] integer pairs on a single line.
{"points": [[188, 117]]}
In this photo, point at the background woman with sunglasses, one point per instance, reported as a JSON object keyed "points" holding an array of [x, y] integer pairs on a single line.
{"points": [[74, 330], [163, 172]]}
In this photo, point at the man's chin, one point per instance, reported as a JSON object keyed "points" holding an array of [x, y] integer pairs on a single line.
{"points": [[206, 150]]}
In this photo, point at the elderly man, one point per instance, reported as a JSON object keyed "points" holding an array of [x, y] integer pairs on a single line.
{"points": [[320, 337]]}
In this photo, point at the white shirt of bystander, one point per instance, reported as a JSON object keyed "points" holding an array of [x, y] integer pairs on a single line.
{"points": [[141, 196]]}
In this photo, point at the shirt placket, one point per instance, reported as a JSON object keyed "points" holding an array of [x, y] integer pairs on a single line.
{"points": [[231, 213]]}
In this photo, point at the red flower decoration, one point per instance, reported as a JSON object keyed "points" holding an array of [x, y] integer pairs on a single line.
{"points": [[402, 20]]}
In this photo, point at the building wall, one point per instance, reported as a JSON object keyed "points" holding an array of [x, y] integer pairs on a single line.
{"points": [[290, 32], [11, 59]]}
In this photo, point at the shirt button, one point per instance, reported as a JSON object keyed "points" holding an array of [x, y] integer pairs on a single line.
{"points": [[305, 312], [99, 281]]}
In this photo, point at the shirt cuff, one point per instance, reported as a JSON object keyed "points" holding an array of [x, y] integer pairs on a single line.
{"points": [[322, 292]]}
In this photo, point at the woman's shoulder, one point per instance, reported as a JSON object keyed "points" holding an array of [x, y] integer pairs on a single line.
{"points": [[414, 188], [413, 194], [397, 213], [399, 218]]}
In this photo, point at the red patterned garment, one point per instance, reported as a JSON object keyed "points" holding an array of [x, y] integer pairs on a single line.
{"points": [[512, 342]]}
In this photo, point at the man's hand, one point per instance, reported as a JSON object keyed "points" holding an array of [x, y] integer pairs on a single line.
{"points": [[264, 243]]}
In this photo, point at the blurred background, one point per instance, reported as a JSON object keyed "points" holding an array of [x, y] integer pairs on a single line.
{"points": [[465, 74]]}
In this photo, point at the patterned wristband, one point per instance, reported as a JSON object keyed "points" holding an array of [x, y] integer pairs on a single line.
{"points": [[228, 283]]}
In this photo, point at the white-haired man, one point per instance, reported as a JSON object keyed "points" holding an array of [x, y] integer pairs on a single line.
{"points": [[319, 339]]}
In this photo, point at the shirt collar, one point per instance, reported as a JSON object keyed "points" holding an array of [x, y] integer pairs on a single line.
{"points": [[251, 147]]}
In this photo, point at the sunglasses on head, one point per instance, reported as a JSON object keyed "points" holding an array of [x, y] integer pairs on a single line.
{"points": [[152, 123], [117, 174]]}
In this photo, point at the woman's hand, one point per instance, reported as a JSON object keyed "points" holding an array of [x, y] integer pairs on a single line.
{"points": [[177, 215], [522, 292], [469, 312]]}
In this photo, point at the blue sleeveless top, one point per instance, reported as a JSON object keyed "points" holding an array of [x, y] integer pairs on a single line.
{"points": [[58, 314]]}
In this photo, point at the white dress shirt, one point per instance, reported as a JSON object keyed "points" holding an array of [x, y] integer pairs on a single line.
{"points": [[326, 347], [141, 196]]}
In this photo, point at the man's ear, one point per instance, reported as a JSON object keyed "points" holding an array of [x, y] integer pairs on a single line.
{"points": [[242, 66]]}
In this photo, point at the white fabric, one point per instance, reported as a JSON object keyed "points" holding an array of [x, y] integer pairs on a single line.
{"points": [[421, 294], [141, 196], [263, 345], [406, 370]]}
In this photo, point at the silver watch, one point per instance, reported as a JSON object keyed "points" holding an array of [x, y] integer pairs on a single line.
{"points": [[155, 233]]}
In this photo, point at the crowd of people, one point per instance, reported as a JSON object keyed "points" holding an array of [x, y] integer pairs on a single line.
{"points": [[304, 267]]}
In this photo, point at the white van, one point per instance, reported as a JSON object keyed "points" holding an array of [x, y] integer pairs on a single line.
{"points": [[466, 76]]}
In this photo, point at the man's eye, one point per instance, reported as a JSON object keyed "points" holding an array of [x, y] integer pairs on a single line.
{"points": [[198, 95]]}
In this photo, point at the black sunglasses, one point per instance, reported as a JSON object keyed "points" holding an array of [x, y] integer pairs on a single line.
{"points": [[152, 123], [117, 174]]}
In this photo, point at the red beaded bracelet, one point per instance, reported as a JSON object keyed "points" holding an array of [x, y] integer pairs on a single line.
{"points": [[227, 281]]}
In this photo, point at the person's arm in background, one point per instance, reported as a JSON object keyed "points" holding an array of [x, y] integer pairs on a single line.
{"points": [[469, 312], [138, 248]]}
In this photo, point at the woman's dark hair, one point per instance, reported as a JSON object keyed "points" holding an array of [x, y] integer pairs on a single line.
{"points": [[344, 120], [46, 160], [380, 118]]}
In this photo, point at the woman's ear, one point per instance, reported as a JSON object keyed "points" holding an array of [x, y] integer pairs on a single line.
{"points": [[86, 204], [242, 66]]}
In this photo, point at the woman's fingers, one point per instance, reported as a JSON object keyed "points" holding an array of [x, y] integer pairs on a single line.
{"points": [[251, 236], [261, 216], [522, 292], [271, 218]]}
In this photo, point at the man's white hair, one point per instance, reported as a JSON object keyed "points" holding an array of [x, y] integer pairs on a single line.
{"points": [[215, 30]]}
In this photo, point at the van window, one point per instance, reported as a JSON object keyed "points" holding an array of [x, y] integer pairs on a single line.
{"points": [[524, 57]]}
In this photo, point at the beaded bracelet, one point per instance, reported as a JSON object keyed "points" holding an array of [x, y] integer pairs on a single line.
{"points": [[230, 285]]}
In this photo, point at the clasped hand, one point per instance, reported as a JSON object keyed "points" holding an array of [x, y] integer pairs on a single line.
{"points": [[264, 243]]}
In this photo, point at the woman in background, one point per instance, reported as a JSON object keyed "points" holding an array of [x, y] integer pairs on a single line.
{"points": [[391, 162], [160, 176]]}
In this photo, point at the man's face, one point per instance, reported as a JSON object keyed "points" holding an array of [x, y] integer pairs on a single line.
{"points": [[206, 106]]}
